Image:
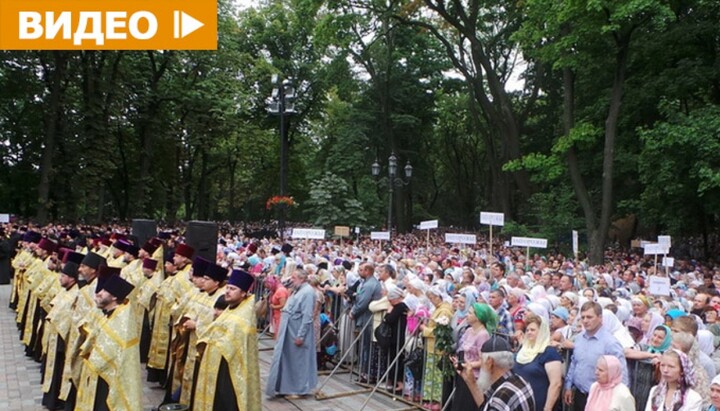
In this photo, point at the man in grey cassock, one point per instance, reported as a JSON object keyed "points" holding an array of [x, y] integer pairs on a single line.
{"points": [[293, 370], [370, 290]]}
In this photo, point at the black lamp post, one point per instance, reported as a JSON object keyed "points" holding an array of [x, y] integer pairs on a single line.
{"points": [[281, 104], [393, 180]]}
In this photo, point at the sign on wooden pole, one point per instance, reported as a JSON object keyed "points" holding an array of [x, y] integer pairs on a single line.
{"points": [[492, 219]]}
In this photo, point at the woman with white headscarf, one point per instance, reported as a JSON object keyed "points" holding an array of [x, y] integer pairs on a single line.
{"points": [[539, 363], [648, 325], [568, 299], [611, 323], [715, 394], [590, 294], [539, 310], [705, 341], [538, 293], [609, 281], [623, 312]]}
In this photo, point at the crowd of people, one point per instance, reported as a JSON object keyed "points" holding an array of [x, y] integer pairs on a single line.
{"points": [[433, 324]]}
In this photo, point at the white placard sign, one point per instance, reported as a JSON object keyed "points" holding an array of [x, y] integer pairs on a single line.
{"points": [[311, 233], [492, 218], [460, 238], [655, 249], [643, 243], [529, 242], [575, 241], [507, 244], [665, 241], [659, 285], [427, 225], [4, 218], [357, 230], [668, 262], [380, 235]]}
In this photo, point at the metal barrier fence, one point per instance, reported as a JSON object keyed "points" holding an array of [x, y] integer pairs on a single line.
{"points": [[642, 377], [384, 370]]}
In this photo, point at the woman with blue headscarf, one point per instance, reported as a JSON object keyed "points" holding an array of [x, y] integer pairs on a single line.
{"points": [[660, 342], [642, 360], [462, 304]]}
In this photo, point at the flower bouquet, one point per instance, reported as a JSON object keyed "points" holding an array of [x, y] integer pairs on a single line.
{"points": [[280, 200], [444, 346]]}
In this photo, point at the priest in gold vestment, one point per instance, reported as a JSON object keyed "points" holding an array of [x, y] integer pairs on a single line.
{"points": [[110, 377], [229, 375], [58, 324]]}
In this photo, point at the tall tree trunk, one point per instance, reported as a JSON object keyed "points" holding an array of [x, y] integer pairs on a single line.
{"points": [[54, 74], [597, 227], [146, 131]]}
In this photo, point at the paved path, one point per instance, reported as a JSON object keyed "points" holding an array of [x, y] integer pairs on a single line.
{"points": [[20, 386]]}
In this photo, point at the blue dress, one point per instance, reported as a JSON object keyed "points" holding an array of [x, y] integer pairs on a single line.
{"points": [[535, 374]]}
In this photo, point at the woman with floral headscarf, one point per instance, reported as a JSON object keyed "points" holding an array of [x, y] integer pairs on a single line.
{"points": [[675, 391]]}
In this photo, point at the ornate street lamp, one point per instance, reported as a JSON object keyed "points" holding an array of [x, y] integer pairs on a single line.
{"points": [[281, 103], [393, 180]]}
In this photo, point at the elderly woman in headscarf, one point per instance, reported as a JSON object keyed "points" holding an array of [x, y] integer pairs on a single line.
{"points": [[640, 308], [642, 360], [715, 394], [650, 321], [675, 392], [516, 301], [569, 299], [396, 318], [608, 393], [660, 342], [584, 279], [483, 322], [416, 293], [433, 376], [539, 363], [590, 294]]}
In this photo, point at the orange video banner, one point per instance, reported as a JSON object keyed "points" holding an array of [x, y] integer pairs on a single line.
{"points": [[108, 25]]}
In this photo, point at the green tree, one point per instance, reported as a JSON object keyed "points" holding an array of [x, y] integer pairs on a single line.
{"points": [[331, 203], [680, 169], [590, 43]]}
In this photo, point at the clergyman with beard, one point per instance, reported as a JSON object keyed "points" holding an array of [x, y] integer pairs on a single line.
{"points": [[497, 387]]}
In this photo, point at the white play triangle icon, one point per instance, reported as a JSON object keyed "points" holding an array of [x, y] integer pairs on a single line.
{"points": [[186, 25]]}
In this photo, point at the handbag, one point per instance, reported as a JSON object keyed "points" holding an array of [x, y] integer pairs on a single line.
{"points": [[415, 362], [384, 335], [261, 308]]}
